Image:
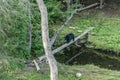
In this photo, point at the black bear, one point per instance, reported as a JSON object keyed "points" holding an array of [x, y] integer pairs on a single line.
{"points": [[69, 37]]}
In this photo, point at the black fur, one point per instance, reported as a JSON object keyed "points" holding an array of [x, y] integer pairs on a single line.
{"points": [[69, 37]]}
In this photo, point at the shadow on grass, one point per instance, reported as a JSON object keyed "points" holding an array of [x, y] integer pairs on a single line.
{"points": [[102, 58]]}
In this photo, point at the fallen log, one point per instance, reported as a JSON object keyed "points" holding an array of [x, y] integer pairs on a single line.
{"points": [[67, 44]]}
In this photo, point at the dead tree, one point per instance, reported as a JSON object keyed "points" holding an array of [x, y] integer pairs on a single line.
{"points": [[29, 28], [46, 41], [52, 41]]}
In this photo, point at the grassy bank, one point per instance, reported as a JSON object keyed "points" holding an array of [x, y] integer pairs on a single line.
{"points": [[89, 72]]}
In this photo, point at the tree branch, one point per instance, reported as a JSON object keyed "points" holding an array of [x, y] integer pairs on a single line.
{"points": [[36, 64], [87, 7], [61, 28], [73, 57], [29, 28]]}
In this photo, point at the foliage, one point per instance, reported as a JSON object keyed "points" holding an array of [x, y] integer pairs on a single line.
{"points": [[55, 14], [9, 67], [14, 28], [58, 11], [14, 24]]}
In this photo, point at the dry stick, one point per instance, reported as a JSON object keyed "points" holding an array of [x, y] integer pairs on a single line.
{"points": [[61, 28], [36, 64], [73, 57], [87, 7]]}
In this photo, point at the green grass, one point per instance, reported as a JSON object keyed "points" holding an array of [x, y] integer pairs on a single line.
{"points": [[106, 33], [12, 69], [89, 72]]}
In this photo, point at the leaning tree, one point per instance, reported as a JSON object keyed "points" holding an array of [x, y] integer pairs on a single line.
{"points": [[46, 41]]}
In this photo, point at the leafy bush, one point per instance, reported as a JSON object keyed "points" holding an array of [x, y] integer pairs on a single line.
{"points": [[10, 66], [14, 23], [14, 26]]}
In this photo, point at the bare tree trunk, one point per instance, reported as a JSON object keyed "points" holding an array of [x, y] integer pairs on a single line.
{"points": [[29, 28], [101, 4], [46, 41]]}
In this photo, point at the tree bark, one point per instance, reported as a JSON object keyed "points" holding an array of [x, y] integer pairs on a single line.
{"points": [[46, 41], [101, 4], [29, 28]]}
